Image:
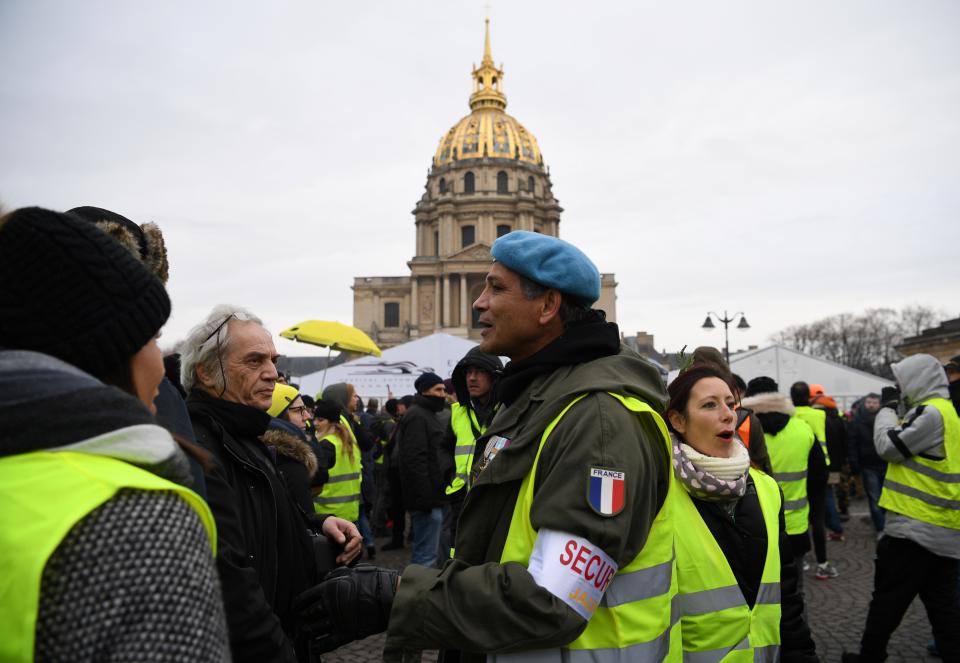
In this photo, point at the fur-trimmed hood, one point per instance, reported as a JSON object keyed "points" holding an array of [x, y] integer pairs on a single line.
{"points": [[291, 447], [769, 402]]}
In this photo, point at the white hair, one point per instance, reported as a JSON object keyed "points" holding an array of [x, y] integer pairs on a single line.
{"points": [[207, 342]]}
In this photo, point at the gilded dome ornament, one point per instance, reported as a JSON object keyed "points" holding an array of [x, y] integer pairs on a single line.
{"points": [[488, 131]]}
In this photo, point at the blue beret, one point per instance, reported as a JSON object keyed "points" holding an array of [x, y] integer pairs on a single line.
{"points": [[549, 261]]}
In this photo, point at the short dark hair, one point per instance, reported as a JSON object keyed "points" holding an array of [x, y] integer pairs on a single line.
{"points": [[800, 393], [571, 310]]}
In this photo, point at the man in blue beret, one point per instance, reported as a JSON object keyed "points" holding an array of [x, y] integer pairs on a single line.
{"points": [[563, 534]]}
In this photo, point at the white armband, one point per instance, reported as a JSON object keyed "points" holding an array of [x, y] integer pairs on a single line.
{"points": [[571, 568]]}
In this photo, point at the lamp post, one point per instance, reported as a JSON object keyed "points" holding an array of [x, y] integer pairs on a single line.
{"points": [[726, 320]]}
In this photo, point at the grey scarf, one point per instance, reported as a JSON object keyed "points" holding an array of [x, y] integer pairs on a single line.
{"points": [[701, 481]]}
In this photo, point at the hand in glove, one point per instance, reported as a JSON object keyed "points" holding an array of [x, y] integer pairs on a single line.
{"points": [[890, 397], [348, 605]]}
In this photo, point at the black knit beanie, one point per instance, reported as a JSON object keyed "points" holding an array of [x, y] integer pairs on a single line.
{"points": [[761, 385], [426, 381], [70, 291]]}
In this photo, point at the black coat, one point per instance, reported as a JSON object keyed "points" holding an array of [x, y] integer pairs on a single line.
{"points": [[860, 449], [426, 466], [264, 554], [743, 540]]}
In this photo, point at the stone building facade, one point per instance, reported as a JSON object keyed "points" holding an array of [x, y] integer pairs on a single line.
{"points": [[487, 178]]}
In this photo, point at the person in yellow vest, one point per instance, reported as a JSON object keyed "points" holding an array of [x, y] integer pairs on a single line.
{"points": [[473, 378], [737, 589], [919, 554], [564, 549], [105, 552], [340, 455], [793, 454], [817, 478]]}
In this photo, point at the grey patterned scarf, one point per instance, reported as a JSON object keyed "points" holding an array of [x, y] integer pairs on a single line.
{"points": [[699, 473]]}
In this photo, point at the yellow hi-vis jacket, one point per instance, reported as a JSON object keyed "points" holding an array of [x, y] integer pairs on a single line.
{"points": [[716, 623], [789, 453], [44, 494], [467, 429], [341, 493], [635, 621], [926, 489], [817, 420]]}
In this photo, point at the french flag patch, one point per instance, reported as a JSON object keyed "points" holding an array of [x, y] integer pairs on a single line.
{"points": [[605, 491]]}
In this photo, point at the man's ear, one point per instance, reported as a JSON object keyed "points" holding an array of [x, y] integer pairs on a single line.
{"points": [[550, 308], [203, 376]]}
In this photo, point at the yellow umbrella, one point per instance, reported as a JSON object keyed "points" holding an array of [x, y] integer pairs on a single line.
{"points": [[332, 335]]}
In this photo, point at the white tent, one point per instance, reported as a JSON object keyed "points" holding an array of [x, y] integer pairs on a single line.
{"points": [[787, 366], [396, 369]]}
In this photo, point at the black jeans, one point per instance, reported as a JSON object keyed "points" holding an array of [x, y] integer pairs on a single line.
{"points": [[903, 570]]}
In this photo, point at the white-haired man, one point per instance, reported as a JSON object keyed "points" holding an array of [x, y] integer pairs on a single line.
{"points": [[265, 555]]}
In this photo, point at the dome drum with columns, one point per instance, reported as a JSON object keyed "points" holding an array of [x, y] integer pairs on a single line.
{"points": [[487, 179]]}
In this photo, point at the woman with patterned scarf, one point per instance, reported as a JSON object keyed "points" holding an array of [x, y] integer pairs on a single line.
{"points": [[737, 581]]}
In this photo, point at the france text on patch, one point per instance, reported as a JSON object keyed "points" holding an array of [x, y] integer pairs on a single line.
{"points": [[571, 568], [606, 490]]}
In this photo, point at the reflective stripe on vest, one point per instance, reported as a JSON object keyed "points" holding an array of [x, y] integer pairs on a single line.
{"points": [[924, 489], [44, 494], [341, 493], [817, 420], [715, 622], [464, 422], [636, 617], [789, 454]]}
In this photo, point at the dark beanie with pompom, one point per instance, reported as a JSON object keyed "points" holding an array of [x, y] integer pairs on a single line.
{"points": [[70, 291]]}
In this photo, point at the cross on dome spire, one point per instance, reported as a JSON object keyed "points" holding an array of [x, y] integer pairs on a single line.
{"points": [[487, 80]]}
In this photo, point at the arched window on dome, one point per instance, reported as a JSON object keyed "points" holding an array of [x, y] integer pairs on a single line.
{"points": [[443, 185], [502, 182], [503, 229], [530, 184], [467, 236], [469, 183], [436, 242]]}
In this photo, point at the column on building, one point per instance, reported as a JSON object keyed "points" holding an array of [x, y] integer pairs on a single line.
{"points": [[464, 304], [414, 303], [436, 302], [446, 300], [377, 313]]}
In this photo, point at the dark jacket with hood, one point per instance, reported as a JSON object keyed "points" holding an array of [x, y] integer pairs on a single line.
{"points": [[474, 603], [265, 555], [327, 453], [860, 450], [153, 555], [426, 466]]}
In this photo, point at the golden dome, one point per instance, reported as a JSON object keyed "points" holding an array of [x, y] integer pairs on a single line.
{"points": [[488, 131]]}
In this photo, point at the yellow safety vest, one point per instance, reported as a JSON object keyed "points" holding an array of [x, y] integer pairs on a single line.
{"points": [[43, 495], [635, 620], [341, 493], [464, 422], [715, 621], [925, 489], [817, 420], [789, 453]]}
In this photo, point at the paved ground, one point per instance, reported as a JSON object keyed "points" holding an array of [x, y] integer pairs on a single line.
{"points": [[836, 608]]}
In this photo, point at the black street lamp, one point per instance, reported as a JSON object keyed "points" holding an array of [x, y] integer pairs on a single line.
{"points": [[726, 320]]}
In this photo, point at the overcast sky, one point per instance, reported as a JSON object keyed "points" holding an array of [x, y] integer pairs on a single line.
{"points": [[791, 160]]}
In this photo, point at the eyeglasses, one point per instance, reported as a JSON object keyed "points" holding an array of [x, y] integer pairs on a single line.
{"points": [[300, 409], [215, 332]]}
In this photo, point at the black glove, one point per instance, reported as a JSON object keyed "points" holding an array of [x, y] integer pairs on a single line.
{"points": [[348, 605], [890, 397]]}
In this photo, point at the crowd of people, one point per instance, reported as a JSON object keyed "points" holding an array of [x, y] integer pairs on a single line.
{"points": [[567, 506]]}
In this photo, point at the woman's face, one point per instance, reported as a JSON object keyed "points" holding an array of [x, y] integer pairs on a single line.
{"points": [[708, 422], [146, 370], [297, 414]]}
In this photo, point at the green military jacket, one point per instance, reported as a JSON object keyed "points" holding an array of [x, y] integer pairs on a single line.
{"points": [[477, 605]]}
